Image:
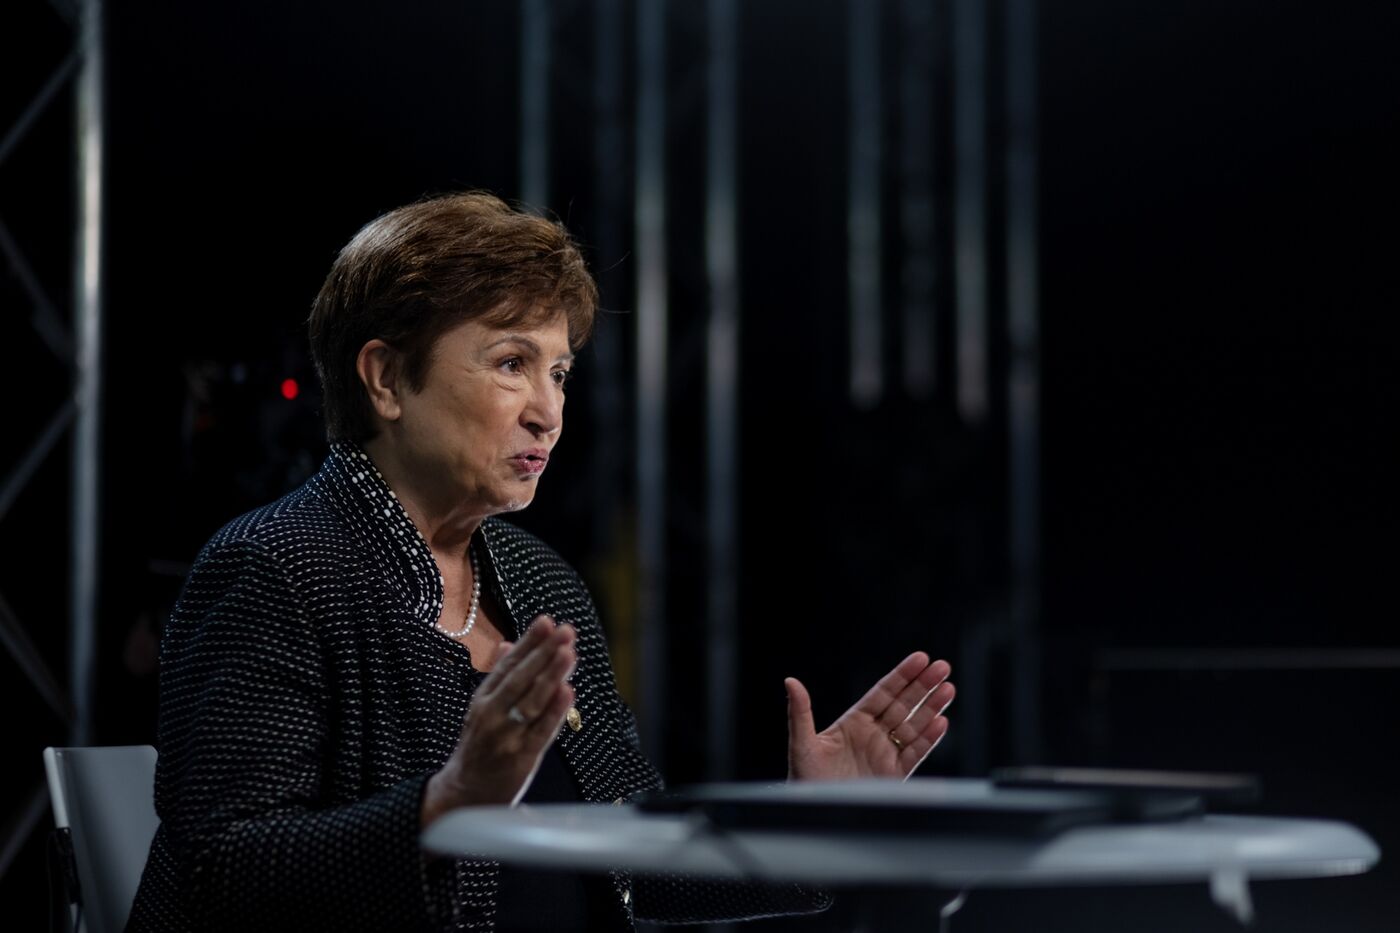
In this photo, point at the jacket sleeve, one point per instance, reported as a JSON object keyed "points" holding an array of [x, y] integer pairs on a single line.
{"points": [[244, 726]]}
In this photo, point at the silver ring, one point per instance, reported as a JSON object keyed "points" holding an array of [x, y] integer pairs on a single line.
{"points": [[514, 715]]}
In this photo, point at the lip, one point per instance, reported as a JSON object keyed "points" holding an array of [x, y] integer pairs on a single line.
{"points": [[530, 461]]}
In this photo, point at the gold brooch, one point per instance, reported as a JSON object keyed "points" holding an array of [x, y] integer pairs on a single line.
{"points": [[573, 718]]}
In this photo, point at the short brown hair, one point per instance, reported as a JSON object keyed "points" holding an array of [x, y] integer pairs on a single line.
{"points": [[416, 272]]}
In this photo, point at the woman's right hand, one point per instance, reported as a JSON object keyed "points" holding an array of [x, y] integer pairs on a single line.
{"points": [[516, 713]]}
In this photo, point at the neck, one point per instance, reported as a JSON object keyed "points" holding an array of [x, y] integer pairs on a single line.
{"points": [[444, 520]]}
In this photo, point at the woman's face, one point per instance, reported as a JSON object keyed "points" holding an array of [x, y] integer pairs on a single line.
{"points": [[480, 432]]}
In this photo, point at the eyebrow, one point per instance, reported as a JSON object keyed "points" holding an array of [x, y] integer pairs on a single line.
{"points": [[530, 345]]}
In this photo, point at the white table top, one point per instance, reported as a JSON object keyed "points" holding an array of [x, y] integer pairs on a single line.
{"points": [[594, 837], [1227, 852]]}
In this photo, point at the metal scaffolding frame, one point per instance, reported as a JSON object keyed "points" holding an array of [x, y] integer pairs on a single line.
{"points": [[722, 536], [653, 312], [535, 61], [81, 411], [87, 375]]}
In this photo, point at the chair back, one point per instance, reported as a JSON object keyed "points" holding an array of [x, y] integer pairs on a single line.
{"points": [[105, 797]]}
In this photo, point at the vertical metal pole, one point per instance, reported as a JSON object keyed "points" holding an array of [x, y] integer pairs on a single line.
{"points": [[969, 41], [1023, 330], [652, 313], [534, 103], [611, 478], [87, 331], [970, 205], [722, 386], [610, 163], [916, 207], [863, 202]]}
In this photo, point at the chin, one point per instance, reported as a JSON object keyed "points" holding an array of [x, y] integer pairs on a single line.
{"points": [[513, 504]]}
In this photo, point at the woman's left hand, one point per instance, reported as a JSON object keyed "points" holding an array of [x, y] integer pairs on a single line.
{"points": [[887, 734]]}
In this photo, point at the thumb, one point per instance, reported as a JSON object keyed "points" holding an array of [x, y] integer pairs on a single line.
{"points": [[800, 724]]}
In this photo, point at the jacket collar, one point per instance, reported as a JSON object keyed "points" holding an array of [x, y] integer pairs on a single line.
{"points": [[377, 515], [379, 519]]}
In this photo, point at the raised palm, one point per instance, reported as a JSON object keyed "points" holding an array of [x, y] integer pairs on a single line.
{"points": [[887, 734]]}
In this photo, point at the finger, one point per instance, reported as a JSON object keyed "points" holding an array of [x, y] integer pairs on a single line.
{"points": [[915, 694], [800, 724], [879, 697], [537, 632], [915, 752], [540, 732], [928, 709], [513, 680], [534, 682], [536, 698], [923, 692]]}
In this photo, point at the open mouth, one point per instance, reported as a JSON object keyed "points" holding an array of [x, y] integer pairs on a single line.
{"points": [[530, 461]]}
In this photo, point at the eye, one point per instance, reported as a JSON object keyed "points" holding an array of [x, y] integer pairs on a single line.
{"points": [[512, 364], [562, 377]]}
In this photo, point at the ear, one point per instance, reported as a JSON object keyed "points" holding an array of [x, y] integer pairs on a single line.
{"points": [[380, 368]]}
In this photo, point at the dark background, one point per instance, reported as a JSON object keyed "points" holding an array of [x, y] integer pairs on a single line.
{"points": [[1217, 241]]}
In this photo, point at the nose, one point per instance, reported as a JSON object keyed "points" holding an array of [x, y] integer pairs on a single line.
{"points": [[544, 414]]}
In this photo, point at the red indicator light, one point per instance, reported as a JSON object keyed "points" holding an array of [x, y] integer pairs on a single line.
{"points": [[290, 389]]}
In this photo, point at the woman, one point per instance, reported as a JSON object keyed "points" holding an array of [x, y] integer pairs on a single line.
{"points": [[378, 647]]}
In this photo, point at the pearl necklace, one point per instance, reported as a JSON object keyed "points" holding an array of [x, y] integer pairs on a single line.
{"points": [[475, 604]]}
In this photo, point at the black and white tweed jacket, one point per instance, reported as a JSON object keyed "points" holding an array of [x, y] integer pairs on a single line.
{"points": [[306, 699]]}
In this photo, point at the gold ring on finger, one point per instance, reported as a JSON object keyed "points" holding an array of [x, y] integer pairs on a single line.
{"points": [[895, 739]]}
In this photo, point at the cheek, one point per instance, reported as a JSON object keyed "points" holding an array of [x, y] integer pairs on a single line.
{"points": [[500, 409], [488, 418]]}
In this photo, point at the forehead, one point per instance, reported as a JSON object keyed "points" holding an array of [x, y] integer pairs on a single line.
{"points": [[547, 337]]}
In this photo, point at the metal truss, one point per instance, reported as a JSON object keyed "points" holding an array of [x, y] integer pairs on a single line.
{"points": [[76, 415]]}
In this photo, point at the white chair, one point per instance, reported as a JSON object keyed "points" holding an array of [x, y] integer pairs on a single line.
{"points": [[105, 798]]}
